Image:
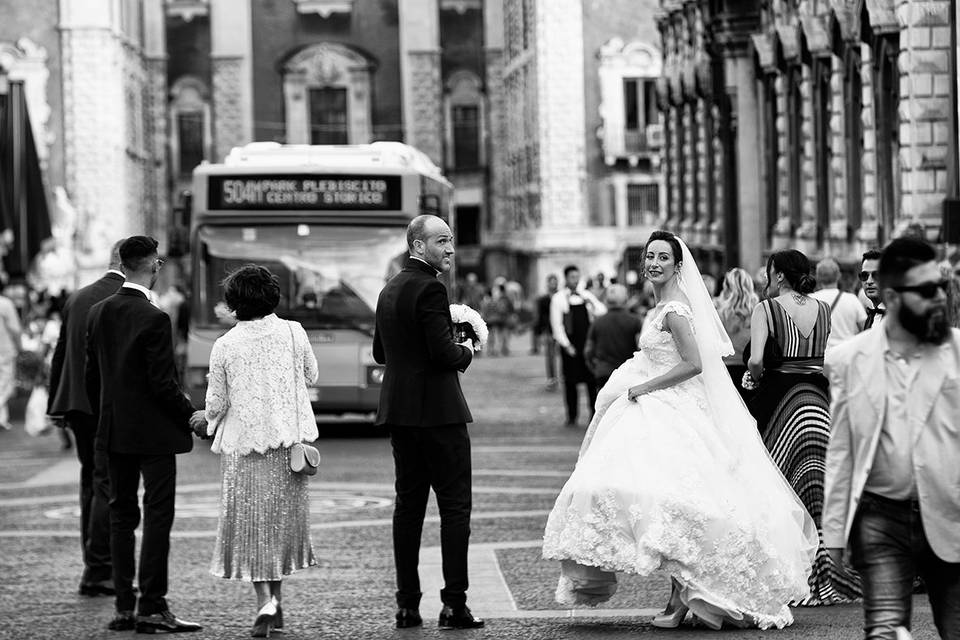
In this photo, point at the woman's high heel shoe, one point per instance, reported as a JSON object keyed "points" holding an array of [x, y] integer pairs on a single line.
{"points": [[265, 622], [671, 620], [278, 619]]}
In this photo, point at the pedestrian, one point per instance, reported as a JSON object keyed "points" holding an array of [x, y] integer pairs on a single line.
{"points": [[598, 287], [422, 404], [471, 293], [612, 338], [735, 306], [10, 347], [543, 334], [572, 311], [868, 279], [892, 472], [257, 407], [672, 476], [145, 419], [497, 313], [70, 404], [791, 404], [847, 315]]}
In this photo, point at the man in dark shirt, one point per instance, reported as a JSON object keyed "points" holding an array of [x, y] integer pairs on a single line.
{"points": [[542, 332], [612, 338]]}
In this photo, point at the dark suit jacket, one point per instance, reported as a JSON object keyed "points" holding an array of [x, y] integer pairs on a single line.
{"points": [[414, 339], [611, 341], [132, 377], [68, 387]]}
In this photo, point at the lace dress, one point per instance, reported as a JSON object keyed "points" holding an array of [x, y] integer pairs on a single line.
{"points": [[657, 487]]}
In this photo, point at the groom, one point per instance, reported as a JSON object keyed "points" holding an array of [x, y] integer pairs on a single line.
{"points": [[422, 404]]}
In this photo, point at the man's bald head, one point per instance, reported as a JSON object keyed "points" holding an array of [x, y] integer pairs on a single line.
{"points": [[430, 239], [828, 273], [115, 255], [422, 227]]}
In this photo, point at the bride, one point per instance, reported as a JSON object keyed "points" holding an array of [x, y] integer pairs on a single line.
{"points": [[672, 475]]}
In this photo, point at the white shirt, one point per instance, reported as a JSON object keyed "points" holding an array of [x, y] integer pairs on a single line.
{"points": [[847, 317], [560, 305]]}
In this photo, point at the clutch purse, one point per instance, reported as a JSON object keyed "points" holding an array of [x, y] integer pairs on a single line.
{"points": [[304, 458]]}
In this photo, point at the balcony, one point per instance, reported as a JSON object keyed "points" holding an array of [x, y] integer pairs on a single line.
{"points": [[632, 144], [324, 8]]}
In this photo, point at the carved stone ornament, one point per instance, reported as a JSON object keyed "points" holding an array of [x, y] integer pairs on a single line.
{"points": [[817, 34], [789, 37], [883, 16], [847, 14], [763, 46], [324, 8], [187, 10]]}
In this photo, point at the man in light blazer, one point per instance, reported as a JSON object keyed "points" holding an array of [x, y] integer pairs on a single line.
{"points": [[892, 488]]}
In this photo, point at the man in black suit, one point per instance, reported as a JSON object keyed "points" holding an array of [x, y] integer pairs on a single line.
{"points": [[145, 420], [69, 402], [422, 404]]}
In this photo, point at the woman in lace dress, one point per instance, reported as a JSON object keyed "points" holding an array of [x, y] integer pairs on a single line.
{"points": [[672, 475], [257, 407]]}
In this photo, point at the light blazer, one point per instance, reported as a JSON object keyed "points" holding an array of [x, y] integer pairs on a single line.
{"points": [[857, 374]]}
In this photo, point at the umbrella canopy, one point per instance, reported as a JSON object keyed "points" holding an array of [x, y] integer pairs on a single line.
{"points": [[23, 199]]}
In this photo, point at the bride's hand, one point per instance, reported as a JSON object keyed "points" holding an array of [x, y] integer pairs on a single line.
{"points": [[635, 392]]}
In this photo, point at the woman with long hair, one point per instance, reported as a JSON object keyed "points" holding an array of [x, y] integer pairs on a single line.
{"points": [[672, 475], [789, 332], [735, 306]]}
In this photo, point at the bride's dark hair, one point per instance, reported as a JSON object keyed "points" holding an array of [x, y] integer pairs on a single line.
{"points": [[670, 239]]}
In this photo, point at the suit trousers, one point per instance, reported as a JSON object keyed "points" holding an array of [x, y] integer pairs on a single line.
{"points": [[425, 458], [888, 548], [159, 496], [94, 499]]}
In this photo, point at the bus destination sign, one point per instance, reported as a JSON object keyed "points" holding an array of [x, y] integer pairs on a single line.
{"points": [[305, 192]]}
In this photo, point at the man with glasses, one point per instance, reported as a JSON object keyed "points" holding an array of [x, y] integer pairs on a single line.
{"points": [[868, 279], [892, 473]]}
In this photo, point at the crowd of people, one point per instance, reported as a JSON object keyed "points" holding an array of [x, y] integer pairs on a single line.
{"points": [[732, 443]]}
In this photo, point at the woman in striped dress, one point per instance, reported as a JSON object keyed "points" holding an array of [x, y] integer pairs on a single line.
{"points": [[257, 407], [792, 404]]}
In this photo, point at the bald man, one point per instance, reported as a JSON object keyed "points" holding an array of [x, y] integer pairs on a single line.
{"points": [[847, 315], [422, 404]]}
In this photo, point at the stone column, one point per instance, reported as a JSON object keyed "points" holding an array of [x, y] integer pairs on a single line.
{"points": [[837, 232], [869, 232], [741, 86], [94, 119], [496, 142], [420, 71], [560, 99], [231, 33], [808, 181], [156, 131]]}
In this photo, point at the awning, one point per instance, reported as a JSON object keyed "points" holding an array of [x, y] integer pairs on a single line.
{"points": [[23, 199]]}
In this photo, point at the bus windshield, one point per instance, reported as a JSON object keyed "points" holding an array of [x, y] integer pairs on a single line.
{"points": [[330, 276]]}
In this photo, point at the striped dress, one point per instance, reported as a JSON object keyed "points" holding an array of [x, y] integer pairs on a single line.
{"points": [[792, 407]]}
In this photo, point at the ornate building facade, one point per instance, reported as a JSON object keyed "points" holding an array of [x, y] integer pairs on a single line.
{"points": [[827, 126], [577, 174]]}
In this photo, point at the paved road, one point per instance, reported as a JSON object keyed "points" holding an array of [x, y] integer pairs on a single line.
{"points": [[522, 454]]}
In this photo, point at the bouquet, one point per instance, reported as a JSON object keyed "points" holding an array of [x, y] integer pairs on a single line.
{"points": [[467, 323]]}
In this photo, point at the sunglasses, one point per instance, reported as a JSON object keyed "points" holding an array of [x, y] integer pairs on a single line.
{"points": [[866, 275], [926, 290]]}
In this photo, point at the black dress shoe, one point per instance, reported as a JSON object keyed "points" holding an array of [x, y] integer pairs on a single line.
{"points": [[94, 589], [165, 622], [461, 618], [407, 618], [123, 621]]}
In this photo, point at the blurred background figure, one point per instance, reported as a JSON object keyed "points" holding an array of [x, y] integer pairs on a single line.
{"points": [[735, 306], [847, 315], [612, 338], [598, 287], [10, 347], [789, 333], [951, 273], [542, 335], [471, 292], [497, 311], [710, 283], [869, 264]]}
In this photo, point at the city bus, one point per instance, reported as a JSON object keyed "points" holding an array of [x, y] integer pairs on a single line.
{"points": [[330, 221]]}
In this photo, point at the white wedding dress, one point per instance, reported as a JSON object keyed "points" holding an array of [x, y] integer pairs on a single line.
{"points": [[676, 483]]}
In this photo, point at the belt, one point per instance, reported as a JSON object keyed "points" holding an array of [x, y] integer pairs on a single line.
{"points": [[911, 504]]}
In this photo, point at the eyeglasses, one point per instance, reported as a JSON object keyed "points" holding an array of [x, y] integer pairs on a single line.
{"points": [[866, 275], [926, 290]]}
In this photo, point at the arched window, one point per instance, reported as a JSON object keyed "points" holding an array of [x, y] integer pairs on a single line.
{"points": [[190, 131], [326, 91], [465, 118]]}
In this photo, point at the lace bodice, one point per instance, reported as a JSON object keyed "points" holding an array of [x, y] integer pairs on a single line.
{"points": [[658, 346], [257, 397]]}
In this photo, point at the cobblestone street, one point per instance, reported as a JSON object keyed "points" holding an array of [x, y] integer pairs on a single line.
{"points": [[522, 454]]}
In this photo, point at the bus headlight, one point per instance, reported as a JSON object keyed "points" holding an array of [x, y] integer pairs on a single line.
{"points": [[375, 375]]}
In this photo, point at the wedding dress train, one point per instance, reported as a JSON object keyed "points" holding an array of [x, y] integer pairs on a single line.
{"points": [[670, 483]]}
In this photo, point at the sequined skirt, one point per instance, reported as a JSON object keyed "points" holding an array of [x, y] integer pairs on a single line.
{"points": [[264, 528]]}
